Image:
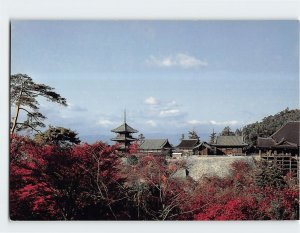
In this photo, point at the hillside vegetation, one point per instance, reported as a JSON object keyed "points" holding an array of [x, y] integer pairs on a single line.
{"points": [[269, 125]]}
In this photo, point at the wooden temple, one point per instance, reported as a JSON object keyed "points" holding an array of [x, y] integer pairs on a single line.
{"points": [[230, 145], [282, 148]]}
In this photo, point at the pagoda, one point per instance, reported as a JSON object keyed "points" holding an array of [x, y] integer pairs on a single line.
{"points": [[124, 137]]}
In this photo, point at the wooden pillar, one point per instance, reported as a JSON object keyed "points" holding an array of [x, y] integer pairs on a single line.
{"points": [[290, 164]]}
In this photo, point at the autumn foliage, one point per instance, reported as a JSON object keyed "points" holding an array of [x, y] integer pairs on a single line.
{"points": [[96, 182], [239, 197]]}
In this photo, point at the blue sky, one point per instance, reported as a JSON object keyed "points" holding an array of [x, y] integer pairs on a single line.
{"points": [[171, 76]]}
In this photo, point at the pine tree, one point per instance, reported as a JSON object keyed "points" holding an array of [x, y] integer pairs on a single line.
{"points": [[23, 96], [59, 136], [212, 137], [193, 135]]}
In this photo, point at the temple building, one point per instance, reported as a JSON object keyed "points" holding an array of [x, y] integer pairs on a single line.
{"points": [[230, 145], [284, 141], [156, 146], [124, 135], [188, 147]]}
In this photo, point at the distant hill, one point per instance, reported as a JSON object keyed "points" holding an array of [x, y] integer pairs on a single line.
{"points": [[269, 125]]}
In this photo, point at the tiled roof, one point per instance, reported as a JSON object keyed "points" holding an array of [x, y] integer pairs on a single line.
{"points": [[285, 137], [230, 141], [154, 144], [289, 132], [265, 142], [124, 128], [188, 143]]}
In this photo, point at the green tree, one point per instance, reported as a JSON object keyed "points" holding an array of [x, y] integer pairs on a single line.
{"points": [[141, 138], [227, 132], [193, 135], [269, 174], [212, 137], [24, 93], [59, 136], [238, 132], [182, 137]]}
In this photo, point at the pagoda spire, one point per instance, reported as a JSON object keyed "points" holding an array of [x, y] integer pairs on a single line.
{"points": [[125, 115]]}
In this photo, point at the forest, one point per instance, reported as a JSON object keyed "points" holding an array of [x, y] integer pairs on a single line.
{"points": [[55, 176]]}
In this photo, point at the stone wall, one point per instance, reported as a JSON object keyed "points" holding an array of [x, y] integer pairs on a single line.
{"points": [[211, 166]]}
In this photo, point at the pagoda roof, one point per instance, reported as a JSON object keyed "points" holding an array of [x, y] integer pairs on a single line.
{"points": [[123, 138], [124, 128]]}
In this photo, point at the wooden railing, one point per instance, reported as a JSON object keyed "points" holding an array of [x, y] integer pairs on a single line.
{"points": [[287, 163]]}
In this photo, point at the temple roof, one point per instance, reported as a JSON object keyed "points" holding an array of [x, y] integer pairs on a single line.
{"points": [[265, 142], [124, 128], [205, 144], [289, 132], [285, 137], [155, 144], [188, 143], [230, 141]]}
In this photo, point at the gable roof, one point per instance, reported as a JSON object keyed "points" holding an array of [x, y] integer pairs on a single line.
{"points": [[230, 141], [155, 144], [285, 137], [124, 128], [289, 132], [188, 143], [205, 144]]}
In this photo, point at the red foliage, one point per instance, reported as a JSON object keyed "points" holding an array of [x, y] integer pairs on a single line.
{"points": [[54, 183], [133, 148], [156, 192], [238, 198], [91, 182]]}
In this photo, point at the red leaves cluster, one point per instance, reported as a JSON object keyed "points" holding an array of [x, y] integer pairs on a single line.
{"points": [[237, 197], [49, 182], [93, 182], [154, 189]]}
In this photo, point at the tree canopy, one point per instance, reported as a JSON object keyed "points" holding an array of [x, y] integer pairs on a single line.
{"points": [[212, 137], [24, 93], [227, 132], [57, 135], [193, 135]]}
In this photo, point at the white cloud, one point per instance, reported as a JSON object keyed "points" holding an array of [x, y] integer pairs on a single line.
{"points": [[224, 122], [179, 60], [196, 122], [151, 123], [105, 123], [212, 122], [151, 101], [187, 61], [169, 112]]}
